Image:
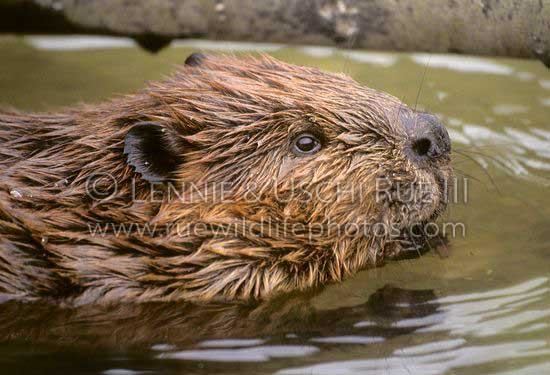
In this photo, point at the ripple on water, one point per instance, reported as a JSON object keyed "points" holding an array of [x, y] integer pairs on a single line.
{"points": [[436, 362], [543, 368], [509, 109], [87, 42], [464, 64], [80, 42], [352, 339], [374, 58], [545, 83], [463, 318], [514, 151], [122, 371], [226, 46], [525, 76], [228, 343], [493, 312], [162, 347], [250, 354], [318, 51]]}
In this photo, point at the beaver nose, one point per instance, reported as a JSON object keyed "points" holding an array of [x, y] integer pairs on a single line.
{"points": [[429, 139]]}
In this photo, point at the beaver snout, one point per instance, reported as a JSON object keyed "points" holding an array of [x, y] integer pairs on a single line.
{"points": [[429, 139]]}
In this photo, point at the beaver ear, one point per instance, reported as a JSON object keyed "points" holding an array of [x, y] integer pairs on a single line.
{"points": [[151, 151], [195, 59]]}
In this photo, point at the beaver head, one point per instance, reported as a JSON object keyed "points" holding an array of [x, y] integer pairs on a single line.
{"points": [[267, 177]]}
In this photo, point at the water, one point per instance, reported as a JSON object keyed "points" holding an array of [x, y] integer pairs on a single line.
{"points": [[481, 307]]}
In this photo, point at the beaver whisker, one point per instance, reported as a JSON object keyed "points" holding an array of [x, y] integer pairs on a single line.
{"points": [[479, 145], [460, 171], [476, 162], [422, 81], [485, 155]]}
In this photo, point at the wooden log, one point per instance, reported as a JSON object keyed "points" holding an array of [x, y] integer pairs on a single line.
{"points": [[514, 28]]}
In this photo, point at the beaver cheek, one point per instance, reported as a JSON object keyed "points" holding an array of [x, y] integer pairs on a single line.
{"points": [[287, 165]]}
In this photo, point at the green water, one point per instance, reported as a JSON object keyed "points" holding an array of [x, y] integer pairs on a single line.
{"points": [[484, 308]]}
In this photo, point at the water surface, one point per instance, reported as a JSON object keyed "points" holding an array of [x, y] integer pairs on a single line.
{"points": [[480, 307]]}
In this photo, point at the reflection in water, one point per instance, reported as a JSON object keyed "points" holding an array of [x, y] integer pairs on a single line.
{"points": [[277, 330], [449, 332], [477, 315], [163, 327]]}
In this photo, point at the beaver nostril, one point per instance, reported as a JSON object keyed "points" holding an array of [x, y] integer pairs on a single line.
{"points": [[426, 137], [422, 146]]}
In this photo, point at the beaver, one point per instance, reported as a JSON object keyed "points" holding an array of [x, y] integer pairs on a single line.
{"points": [[240, 178]]}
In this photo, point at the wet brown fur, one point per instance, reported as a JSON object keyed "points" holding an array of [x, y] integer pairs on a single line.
{"points": [[233, 121]]}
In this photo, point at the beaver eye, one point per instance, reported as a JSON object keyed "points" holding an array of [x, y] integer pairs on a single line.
{"points": [[305, 144]]}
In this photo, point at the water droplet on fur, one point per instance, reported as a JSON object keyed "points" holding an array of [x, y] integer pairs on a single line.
{"points": [[44, 240], [246, 137], [16, 193], [146, 163], [60, 183]]}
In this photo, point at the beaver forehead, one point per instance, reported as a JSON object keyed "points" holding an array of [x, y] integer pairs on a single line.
{"points": [[227, 86], [269, 76]]}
